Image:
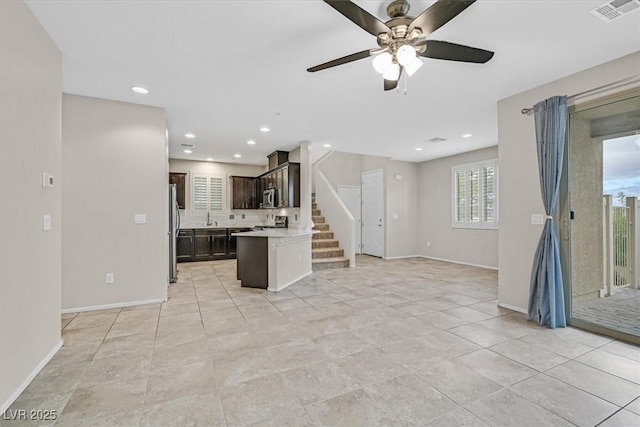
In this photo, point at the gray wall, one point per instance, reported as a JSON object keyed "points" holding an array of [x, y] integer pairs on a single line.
{"points": [[400, 197], [30, 144], [477, 247], [402, 209], [114, 166], [518, 175]]}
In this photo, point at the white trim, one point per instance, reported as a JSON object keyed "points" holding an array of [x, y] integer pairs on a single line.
{"points": [[459, 262], [30, 377], [512, 307], [402, 257], [116, 305], [272, 289]]}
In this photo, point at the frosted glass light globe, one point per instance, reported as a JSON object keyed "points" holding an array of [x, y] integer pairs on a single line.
{"points": [[392, 72], [405, 55], [382, 61]]}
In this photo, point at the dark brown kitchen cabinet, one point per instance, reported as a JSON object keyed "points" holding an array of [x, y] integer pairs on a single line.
{"points": [[184, 246], [210, 244], [277, 158], [286, 180], [179, 179], [245, 192]]}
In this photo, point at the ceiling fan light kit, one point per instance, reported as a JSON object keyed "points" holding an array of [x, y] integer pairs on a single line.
{"points": [[403, 38]]}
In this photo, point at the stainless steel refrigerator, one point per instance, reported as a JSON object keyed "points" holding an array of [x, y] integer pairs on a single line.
{"points": [[174, 229]]}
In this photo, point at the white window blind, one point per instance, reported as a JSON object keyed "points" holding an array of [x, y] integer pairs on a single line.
{"points": [[475, 195], [208, 192]]}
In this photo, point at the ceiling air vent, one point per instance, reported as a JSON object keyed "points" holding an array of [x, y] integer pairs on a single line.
{"points": [[188, 145], [613, 10], [436, 139]]}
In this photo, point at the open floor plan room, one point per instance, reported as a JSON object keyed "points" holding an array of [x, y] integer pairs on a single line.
{"points": [[390, 342]]}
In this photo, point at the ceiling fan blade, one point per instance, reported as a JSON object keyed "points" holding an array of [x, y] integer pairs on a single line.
{"points": [[359, 16], [392, 84], [439, 14], [340, 61], [437, 49]]}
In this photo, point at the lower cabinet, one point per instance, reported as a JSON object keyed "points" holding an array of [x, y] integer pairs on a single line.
{"points": [[202, 244], [210, 244], [184, 246]]}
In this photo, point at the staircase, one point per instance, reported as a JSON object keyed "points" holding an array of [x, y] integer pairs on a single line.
{"points": [[325, 251]]}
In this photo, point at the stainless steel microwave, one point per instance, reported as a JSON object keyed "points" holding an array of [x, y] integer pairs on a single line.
{"points": [[269, 198]]}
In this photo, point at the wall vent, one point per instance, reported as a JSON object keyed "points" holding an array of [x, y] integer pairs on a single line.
{"points": [[613, 10], [436, 139]]}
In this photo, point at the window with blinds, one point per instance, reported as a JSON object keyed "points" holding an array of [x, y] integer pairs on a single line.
{"points": [[475, 195], [208, 192]]}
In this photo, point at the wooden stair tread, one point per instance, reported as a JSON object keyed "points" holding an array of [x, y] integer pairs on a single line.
{"points": [[328, 260]]}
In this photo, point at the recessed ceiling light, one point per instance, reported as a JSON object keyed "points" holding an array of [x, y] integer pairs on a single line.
{"points": [[419, 149], [264, 129], [188, 151], [140, 89], [251, 142], [237, 156], [209, 159], [467, 135], [327, 145], [189, 135]]}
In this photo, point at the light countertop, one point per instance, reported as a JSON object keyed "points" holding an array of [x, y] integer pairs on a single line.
{"points": [[276, 232]]}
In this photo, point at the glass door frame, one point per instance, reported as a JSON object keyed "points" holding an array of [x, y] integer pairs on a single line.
{"points": [[562, 219]]}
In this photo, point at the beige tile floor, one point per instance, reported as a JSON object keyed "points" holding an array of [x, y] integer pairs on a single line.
{"points": [[402, 342]]}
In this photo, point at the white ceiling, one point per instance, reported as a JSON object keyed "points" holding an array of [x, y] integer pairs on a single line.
{"points": [[223, 69]]}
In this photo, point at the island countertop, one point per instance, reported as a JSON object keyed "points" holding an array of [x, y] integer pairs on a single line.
{"points": [[276, 232]]}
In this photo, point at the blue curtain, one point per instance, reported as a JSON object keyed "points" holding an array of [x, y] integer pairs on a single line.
{"points": [[546, 299]]}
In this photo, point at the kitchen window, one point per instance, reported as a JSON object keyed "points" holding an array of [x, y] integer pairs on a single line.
{"points": [[475, 195], [208, 192]]}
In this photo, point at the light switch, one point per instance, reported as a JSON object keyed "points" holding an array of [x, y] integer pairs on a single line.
{"points": [[46, 222], [140, 218], [537, 219]]}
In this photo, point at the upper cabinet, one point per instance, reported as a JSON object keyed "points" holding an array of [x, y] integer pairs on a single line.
{"points": [[286, 180], [244, 192], [179, 179], [277, 158]]}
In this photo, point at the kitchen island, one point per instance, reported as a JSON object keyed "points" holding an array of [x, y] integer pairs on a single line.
{"points": [[273, 258]]}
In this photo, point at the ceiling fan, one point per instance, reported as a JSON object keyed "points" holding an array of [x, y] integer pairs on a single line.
{"points": [[403, 38]]}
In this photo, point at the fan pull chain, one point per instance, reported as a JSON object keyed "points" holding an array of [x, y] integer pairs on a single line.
{"points": [[405, 84]]}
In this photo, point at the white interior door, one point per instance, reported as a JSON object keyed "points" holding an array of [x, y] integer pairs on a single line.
{"points": [[351, 197], [373, 213]]}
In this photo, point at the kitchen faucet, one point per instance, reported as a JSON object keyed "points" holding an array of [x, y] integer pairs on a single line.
{"points": [[209, 218]]}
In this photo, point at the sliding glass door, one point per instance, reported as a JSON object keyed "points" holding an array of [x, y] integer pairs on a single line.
{"points": [[599, 213]]}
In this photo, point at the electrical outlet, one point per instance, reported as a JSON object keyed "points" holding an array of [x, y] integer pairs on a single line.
{"points": [[109, 278], [242, 216]]}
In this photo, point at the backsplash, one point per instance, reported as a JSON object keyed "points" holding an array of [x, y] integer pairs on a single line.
{"points": [[229, 219]]}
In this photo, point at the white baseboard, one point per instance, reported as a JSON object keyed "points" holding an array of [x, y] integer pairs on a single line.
{"points": [[272, 289], [458, 262], [5, 405], [116, 305], [512, 307], [401, 257]]}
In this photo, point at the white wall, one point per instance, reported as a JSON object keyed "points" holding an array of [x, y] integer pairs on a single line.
{"points": [[115, 165], [30, 144], [518, 174], [477, 247], [401, 214]]}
